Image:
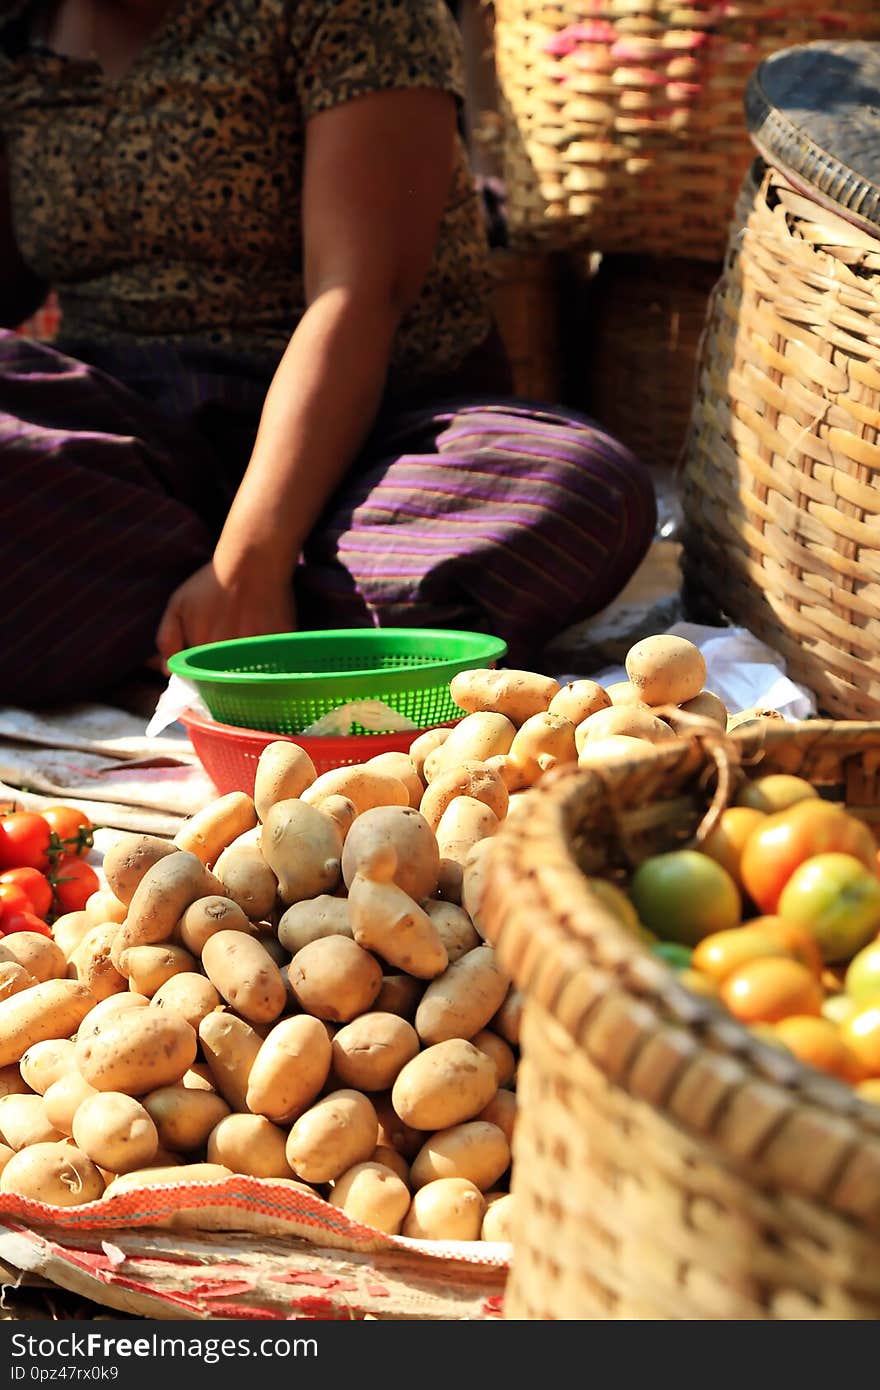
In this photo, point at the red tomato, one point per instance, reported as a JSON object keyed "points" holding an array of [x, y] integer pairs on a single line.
{"points": [[74, 882], [24, 841], [73, 828], [23, 921], [34, 884], [775, 849], [13, 899]]}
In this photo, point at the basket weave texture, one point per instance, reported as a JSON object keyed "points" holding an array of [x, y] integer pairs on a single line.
{"points": [[782, 477], [641, 346], [623, 119], [667, 1162], [525, 307]]}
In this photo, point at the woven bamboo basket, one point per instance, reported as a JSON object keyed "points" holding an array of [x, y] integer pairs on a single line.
{"points": [[638, 350], [781, 496], [525, 308], [668, 1163], [622, 119]]}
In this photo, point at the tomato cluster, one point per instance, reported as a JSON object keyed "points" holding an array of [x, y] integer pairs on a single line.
{"points": [[778, 915], [42, 870]]}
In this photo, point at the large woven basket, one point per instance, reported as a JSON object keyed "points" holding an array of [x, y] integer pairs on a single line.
{"points": [[638, 348], [781, 495], [667, 1162], [622, 119], [526, 311]]}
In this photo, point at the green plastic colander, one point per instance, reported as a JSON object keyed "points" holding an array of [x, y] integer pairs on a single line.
{"points": [[286, 682]]}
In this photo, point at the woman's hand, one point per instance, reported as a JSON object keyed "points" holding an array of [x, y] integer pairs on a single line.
{"points": [[206, 608]]}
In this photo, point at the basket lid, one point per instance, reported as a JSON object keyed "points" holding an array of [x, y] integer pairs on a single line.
{"points": [[813, 112]]}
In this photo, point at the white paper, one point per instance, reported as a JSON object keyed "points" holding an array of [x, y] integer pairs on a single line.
{"points": [[178, 695], [740, 670], [373, 715]]}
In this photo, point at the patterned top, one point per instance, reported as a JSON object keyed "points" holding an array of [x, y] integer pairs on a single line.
{"points": [[167, 204]]}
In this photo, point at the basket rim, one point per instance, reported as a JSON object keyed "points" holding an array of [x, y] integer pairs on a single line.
{"points": [[185, 663], [617, 1001]]}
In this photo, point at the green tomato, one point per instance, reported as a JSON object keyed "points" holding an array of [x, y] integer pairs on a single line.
{"points": [[862, 979], [684, 895], [837, 899], [674, 954]]}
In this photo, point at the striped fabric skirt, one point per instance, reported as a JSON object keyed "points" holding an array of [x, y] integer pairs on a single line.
{"points": [[490, 514]]}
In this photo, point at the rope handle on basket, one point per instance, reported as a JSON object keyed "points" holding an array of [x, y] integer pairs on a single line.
{"points": [[726, 756]]}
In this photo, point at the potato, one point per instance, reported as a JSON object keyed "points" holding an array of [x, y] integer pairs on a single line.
{"points": [[56, 1173], [625, 693], [364, 787], [113, 1004], [69, 930], [386, 920], [401, 766], [447, 1209], [752, 716], [91, 962], [246, 976], [248, 880], [46, 1061], [400, 994], [284, 771], [399, 832], [14, 979], [129, 859], [184, 1118], [474, 881], [341, 811], [188, 995], [63, 1099], [666, 670], [500, 1051], [507, 1020], [249, 1144], [5, 1155], [468, 779], [613, 749], [477, 1151], [707, 706], [23, 1121], [312, 920], [53, 1009], [454, 926], [338, 1131], [578, 700], [115, 1131], [445, 1085], [36, 954], [543, 742], [369, 1052], [423, 746], [334, 978], [12, 1083], [477, 737], [432, 766], [462, 1000], [463, 824], [374, 1195], [104, 906], [508, 771], [622, 719], [501, 1111], [393, 1133], [449, 881], [303, 848], [205, 917], [160, 900], [199, 1077], [499, 1217], [137, 1051], [517, 694], [289, 1070], [390, 1158], [210, 830], [159, 1177], [230, 1047], [150, 967]]}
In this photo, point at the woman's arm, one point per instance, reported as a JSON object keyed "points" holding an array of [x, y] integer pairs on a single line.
{"points": [[377, 172], [21, 293]]}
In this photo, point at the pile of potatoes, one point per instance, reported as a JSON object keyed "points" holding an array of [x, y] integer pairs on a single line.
{"points": [[298, 987]]}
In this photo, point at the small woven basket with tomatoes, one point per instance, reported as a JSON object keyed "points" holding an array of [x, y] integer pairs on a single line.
{"points": [[43, 868], [701, 1034]]}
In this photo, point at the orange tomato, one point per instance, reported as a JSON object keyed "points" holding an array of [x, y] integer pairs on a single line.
{"points": [[869, 1090], [775, 792], [768, 990], [718, 955], [727, 841], [798, 942], [861, 1033], [837, 900], [818, 1043], [775, 849]]}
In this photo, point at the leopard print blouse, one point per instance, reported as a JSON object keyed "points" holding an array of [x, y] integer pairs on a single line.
{"points": [[168, 203]]}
